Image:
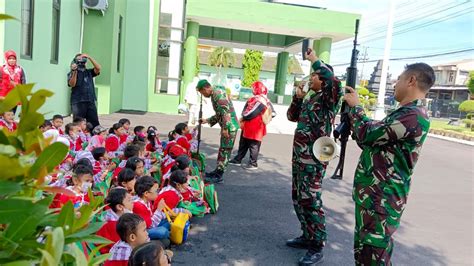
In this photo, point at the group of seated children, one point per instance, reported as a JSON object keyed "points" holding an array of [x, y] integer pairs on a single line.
{"points": [[141, 178]]}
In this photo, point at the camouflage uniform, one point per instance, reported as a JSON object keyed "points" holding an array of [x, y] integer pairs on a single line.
{"points": [[391, 148], [314, 116], [226, 117]]}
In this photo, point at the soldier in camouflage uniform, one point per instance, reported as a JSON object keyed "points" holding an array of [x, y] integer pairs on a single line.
{"points": [[314, 113], [391, 148], [227, 119]]}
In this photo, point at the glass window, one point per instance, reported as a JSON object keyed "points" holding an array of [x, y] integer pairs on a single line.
{"points": [[55, 31], [170, 46], [27, 15]]}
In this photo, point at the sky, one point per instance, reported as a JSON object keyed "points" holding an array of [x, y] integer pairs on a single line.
{"points": [[449, 27]]}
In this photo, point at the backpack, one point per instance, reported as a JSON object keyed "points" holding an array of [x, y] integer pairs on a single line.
{"points": [[267, 115]]}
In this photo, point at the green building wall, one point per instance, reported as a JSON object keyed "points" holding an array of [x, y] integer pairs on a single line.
{"points": [[38, 69]]}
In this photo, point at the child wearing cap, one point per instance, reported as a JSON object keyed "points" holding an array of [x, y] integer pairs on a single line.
{"points": [[98, 138]]}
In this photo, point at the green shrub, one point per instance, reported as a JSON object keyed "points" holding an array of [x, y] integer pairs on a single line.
{"points": [[467, 106]]}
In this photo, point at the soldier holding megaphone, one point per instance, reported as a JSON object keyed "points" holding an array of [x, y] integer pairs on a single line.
{"points": [[314, 108]]}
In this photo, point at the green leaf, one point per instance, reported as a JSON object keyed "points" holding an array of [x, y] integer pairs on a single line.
{"points": [[50, 157], [20, 263], [93, 239], [30, 122], [9, 188], [97, 260], [21, 226], [90, 229], [66, 217], [8, 150], [55, 244], [7, 17], [10, 167], [13, 210], [47, 258], [38, 99], [3, 138], [79, 255]]}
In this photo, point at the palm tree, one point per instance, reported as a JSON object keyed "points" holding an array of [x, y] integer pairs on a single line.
{"points": [[221, 57]]}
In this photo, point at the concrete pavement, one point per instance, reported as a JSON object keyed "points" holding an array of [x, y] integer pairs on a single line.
{"points": [[256, 214]]}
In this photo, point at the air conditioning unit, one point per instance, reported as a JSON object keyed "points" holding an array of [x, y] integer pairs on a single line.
{"points": [[101, 5]]}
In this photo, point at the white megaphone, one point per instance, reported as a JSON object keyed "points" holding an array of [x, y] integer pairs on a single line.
{"points": [[183, 109], [325, 149]]}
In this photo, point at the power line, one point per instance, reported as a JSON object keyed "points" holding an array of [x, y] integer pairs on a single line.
{"points": [[425, 24], [415, 57]]}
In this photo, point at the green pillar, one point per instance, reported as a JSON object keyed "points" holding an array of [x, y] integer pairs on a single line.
{"points": [[324, 51], [281, 72], [190, 56], [316, 45]]}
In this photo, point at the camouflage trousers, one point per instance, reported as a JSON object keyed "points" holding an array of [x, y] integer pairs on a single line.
{"points": [[225, 150], [306, 194], [373, 243]]}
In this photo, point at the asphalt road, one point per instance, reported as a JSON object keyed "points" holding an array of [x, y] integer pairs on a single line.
{"points": [[256, 214]]}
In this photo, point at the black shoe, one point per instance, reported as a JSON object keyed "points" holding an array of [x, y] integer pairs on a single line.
{"points": [[249, 166], [299, 242], [235, 162], [211, 174], [218, 177], [312, 257]]}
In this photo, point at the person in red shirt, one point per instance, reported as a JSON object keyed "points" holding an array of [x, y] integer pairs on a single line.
{"points": [[113, 143], [58, 122], [146, 189], [131, 229], [254, 128], [119, 202], [82, 182], [7, 121], [126, 179], [11, 75], [127, 136]]}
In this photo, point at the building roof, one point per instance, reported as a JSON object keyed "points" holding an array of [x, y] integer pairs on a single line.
{"points": [[269, 62]]}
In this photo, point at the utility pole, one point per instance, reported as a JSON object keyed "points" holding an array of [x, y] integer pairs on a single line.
{"points": [[363, 60], [380, 110]]}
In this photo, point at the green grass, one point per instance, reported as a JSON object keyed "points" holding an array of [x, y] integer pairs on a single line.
{"points": [[443, 124]]}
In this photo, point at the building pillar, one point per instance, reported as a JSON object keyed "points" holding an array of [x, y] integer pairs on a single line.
{"points": [[281, 72], [316, 45], [324, 51], [190, 56]]}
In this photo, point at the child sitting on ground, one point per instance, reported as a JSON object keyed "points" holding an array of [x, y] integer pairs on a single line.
{"points": [[46, 126], [154, 143], [114, 143], [150, 253], [127, 136], [146, 189], [139, 132], [102, 165], [137, 165], [119, 202], [71, 132], [178, 194], [126, 179], [57, 122], [98, 139], [7, 121], [131, 229], [81, 183], [130, 151]]}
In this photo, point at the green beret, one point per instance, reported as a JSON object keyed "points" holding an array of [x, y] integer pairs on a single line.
{"points": [[202, 83]]}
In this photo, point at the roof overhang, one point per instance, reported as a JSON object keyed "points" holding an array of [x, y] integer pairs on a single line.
{"points": [[272, 19]]}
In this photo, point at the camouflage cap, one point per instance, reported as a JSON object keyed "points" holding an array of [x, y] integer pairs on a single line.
{"points": [[202, 83]]}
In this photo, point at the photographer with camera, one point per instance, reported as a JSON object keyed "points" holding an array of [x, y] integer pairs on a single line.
{"points": [[81, 80], [314, 108]]}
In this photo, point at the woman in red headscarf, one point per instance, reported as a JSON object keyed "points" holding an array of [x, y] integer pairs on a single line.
{"points": [[257, 112], [11, 74]]}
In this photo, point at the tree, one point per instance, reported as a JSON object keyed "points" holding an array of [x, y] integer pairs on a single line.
{"points": [[252, 65], [470, 83], [293, 64], [221, 57]]}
